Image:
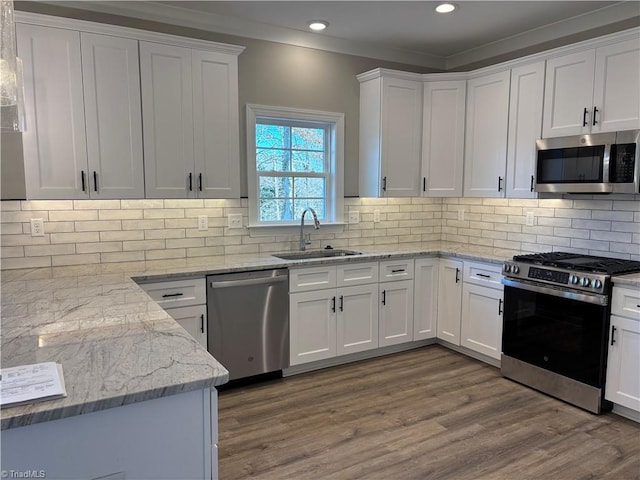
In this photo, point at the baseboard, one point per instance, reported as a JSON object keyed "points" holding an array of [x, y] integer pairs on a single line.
{"points": [[626, 412]]}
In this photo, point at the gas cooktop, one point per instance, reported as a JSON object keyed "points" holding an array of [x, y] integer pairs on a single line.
{"points": [[581, 263]]}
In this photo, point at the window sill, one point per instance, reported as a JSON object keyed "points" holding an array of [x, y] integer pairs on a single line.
{"points": [[291, 229]]}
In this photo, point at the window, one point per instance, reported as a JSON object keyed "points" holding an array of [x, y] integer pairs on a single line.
{"points": [[295, 161]]}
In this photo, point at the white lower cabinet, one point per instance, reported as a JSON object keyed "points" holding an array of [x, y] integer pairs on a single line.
{"points": [[193, 319], [482, 302], [396, 312], [312, 326], [357, 319], [623, 377], [425, 298], [449, 300]]}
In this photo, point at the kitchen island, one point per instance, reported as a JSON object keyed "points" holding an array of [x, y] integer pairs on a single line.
{"points": [[141, 391]]}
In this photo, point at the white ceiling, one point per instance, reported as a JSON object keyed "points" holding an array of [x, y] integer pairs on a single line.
{"points": [[402, 31]]}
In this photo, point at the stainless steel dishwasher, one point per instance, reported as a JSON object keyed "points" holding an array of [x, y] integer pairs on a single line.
{"points": [[248, 321]]}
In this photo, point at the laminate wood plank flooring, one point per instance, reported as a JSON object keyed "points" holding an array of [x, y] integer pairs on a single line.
{"points": [[429, 413]]}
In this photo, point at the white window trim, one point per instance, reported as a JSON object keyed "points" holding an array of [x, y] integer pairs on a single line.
{"points": [[336, 204]]}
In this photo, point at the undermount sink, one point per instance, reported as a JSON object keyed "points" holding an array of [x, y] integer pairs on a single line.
{"points": [[310, 254]]}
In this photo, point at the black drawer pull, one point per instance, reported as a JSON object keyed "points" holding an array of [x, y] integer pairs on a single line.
{"points": [[169, 295], [341, 303], [500, 301], [84, 186], [483, 275], [584, 116], [384, 184], [95, 180], [191, 182], [384, 297], [399, 270], [613, 333], [532, 183], [424, 184], [202, 323], [333, 304], [595, 122], [457, 275], [200, 182]]}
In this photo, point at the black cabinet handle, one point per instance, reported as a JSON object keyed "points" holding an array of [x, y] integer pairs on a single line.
{"points": [[333, 304], [341, 303], [384, 297], [169, 295], [532, 183], [483, 275], [190, 182], [613, 332], [424, 184], [84, 186], [399, 270], [384, 184], [595, 110], [457, 275], [500, 306], [584, 116], [200, 181], [95, 181], [202, 323], [499, 184]]}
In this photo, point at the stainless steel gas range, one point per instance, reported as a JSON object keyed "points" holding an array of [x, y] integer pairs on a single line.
{"points": [[556, 324]]}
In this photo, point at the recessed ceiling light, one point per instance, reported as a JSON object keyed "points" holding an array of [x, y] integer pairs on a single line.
{"points": [[318, 25], [445, 8]]}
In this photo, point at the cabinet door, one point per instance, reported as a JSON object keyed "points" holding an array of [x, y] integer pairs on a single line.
{"points": [[623, 378], [449, 300], [525, 127], [114, 120], [312, 327], [616, 92], [481, 325], [568, 91], [215, 125], [485, 151], [401, 137], [167, 107], [443, 138], [425, 305], [55, 150], [357, 318], [193, 320], [396, 312]]}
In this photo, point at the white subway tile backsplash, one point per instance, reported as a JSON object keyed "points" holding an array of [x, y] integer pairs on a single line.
{"points": [[87, 232]]}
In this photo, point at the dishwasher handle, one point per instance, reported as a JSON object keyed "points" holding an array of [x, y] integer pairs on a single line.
{"points": [[249, 281]]}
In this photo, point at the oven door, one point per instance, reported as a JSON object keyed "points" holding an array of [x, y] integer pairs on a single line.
{"points": [[561, 331]]}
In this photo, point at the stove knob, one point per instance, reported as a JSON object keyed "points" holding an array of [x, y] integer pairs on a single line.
{"points": [[515, 269], [597, 284], [585, 282], [507, 267], [574, 279]]}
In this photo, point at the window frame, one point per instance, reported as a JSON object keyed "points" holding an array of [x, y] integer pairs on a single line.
{"points": [[334, 185]]}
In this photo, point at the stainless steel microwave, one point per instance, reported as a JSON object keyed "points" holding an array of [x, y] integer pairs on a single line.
{"points": [[598, 163]]}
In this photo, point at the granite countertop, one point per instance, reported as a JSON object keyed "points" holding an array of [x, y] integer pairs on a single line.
{"points": [[115, 344], [630, 280]]}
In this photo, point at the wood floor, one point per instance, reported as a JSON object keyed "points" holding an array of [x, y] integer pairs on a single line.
{"points": [[425, 414]]}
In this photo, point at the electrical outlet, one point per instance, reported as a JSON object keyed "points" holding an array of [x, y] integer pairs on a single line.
{"points": [[203, 222], [376, 216], [354, 217], [234, 220], [529, 219], [37, 227], [461, 214]]}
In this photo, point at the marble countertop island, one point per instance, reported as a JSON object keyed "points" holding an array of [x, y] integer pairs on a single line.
{"points": [[115, 344]]}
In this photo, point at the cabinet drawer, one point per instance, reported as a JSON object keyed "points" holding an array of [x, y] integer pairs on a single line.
{"points": [[483, 274], [392, 270], [357, 274], [314, 278], [626, 302], [177, 293]]}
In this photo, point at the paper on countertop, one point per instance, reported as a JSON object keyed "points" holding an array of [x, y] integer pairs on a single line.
{"points": [[31, 383]]}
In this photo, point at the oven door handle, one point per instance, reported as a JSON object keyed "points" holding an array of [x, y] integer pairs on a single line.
{"points": [[580, 297]]}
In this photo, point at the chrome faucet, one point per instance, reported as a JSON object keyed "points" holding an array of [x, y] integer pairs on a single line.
{"points": [[316, 225]]}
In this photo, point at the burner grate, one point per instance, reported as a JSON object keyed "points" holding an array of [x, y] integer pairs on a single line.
{"points": [[583, 263]]}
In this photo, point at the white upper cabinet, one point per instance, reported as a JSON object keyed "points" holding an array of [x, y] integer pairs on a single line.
{"points": [[525, 127], [443, 115], [113, 117], [190, 107], [54, 143], [486, 135], [167, 106], [593, 91], [215, 125], [390, 135]]}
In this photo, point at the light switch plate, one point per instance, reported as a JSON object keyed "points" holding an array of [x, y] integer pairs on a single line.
{"points": [[376, 216], [37, 227], [203, 222], [529, 219], [461, 214], [354, 216], [234, 220]]}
